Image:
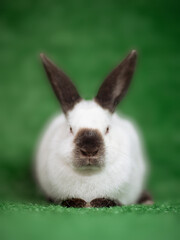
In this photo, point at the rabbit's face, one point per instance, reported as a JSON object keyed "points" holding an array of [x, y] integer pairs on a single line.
{"points": [[89, 124], [89, 121]]}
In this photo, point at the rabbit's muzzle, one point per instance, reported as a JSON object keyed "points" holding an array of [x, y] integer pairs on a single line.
{"points": [[89, 149]]}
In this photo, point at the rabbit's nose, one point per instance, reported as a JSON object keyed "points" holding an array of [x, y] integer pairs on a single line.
{"points": [[87, 152]]}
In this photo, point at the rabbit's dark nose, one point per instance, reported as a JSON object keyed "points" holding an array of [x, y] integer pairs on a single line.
{"points": [[89, 148], [89, 152]]}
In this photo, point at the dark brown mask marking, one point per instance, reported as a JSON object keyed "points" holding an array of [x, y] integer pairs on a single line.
{"points": [[89, 148]]}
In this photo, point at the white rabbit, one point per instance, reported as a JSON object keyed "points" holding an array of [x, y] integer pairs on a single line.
{"points": [[89, 152]]}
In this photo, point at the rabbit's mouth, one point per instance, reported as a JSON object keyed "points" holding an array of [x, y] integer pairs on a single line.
{"points": [[89, 149], [88, 163]]}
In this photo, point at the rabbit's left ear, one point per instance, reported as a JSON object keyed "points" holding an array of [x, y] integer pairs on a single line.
{"points": [[63, 87], [117, 82]]}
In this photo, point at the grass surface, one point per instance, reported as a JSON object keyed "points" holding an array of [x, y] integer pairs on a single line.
{"points": [[29, 221], [87, 39]]}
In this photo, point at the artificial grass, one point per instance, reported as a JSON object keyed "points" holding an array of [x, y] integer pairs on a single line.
{"points": [[87, 39], [161, 207], [30, 221]]}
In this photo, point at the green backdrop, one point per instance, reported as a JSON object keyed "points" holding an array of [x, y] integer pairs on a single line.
{"points": [[87, 39]]}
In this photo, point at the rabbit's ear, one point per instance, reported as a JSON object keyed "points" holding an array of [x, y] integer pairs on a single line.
{"points": [[117, 82], [61, 84]]}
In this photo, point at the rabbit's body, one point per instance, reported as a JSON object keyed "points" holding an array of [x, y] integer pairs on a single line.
{"points": [[89, 152], [122, 176]]}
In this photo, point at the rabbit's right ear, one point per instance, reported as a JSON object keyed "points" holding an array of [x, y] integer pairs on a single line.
{"points": [[61, 84], [117, 82]]}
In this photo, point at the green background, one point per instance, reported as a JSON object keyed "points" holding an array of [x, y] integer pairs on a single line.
{"points": [[87, 39]]}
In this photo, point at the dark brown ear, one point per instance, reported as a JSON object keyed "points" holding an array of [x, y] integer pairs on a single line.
{"points": [[61, 84], [116, 84]]}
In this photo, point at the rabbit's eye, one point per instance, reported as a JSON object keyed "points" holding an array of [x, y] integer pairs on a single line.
{"points": [[70, 129], [107, 130]]}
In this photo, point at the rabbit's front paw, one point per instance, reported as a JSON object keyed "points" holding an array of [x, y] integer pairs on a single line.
{"points": [[103, 202], [74, 202]]}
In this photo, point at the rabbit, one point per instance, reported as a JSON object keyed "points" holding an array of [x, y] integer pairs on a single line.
{"points": [[89, 154]]}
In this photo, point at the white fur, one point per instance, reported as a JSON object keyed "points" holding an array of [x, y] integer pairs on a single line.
{"points": [[122, 177]]}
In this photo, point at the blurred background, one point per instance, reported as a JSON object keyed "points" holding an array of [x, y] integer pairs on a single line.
{"points": [[87, 39]]}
